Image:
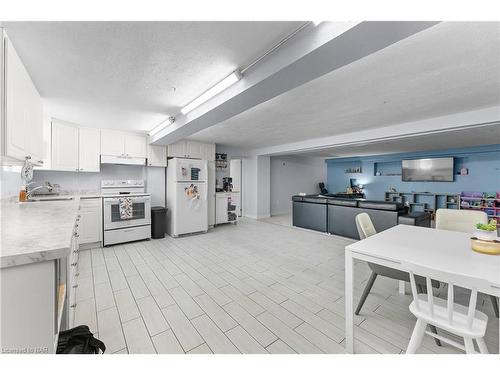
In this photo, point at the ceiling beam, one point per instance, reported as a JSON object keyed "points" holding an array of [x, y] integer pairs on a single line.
{"points": [[312, 53], [458, 121]]}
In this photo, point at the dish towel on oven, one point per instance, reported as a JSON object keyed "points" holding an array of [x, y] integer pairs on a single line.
{"points": [[125, 208]]}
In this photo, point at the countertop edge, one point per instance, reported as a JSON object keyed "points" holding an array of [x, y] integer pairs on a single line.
{"points": [[34, 257]]}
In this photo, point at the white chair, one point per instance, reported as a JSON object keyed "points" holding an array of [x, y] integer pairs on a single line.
{"points": [[459, 220], [365, 230], [365, 226], [463, 221], [463, 321]]}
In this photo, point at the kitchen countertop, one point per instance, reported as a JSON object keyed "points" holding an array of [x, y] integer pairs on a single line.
{"points": [[36, 231]]}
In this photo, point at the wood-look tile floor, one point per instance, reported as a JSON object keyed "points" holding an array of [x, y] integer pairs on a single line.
{"points": [[254, 287]]}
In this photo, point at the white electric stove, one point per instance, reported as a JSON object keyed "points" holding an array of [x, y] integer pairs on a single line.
{"points": [[138, 225]]}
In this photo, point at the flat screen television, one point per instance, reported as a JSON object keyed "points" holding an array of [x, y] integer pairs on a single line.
{"points": [[436, 169]]}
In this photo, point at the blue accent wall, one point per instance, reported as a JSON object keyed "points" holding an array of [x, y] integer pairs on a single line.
{"points": [[483, 163]]}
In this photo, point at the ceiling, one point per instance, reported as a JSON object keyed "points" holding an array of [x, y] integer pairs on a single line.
{"points": [[449, 68], [131, 75], [477, 136]]}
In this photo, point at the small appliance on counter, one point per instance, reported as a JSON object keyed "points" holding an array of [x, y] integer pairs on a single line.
{"points": [[126, 211], [227, 184]]}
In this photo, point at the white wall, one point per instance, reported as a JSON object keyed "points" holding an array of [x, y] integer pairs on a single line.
{"points": [[155, 184], [291, 175], [256, 186]]}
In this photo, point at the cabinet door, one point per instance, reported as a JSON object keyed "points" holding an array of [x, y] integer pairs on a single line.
{"points": [[177, 150], [208, 151], [35, 123], [112, 143], [135, 146], [221, 208], [89, 149], [16, 111], [64, 147], [90, 222], [193, 149], [157, 156]]}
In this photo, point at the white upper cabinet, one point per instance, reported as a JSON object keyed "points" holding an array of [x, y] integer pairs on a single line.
{"points": [[112, 143], [157, 156], [89, 149], [177, 150], [118, 143], [135, 146], [23, 109], [208, 151], [64, 147], [35, 136], [192, 150]]}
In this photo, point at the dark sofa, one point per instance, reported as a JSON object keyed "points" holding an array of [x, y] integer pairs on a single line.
{"points": [[337, 215]]}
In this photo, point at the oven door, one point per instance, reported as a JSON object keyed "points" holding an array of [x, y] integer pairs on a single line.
{"points": [[141, 213]]}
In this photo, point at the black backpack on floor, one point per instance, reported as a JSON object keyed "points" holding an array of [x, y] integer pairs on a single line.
{"points": [[79, 340]]}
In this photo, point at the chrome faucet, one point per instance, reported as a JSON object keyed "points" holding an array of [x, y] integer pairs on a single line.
{"points": [[47, 185]]}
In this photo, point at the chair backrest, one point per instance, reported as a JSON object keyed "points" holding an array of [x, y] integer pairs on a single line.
{"points": [[445, 277], [459, 220], [365, 226]]}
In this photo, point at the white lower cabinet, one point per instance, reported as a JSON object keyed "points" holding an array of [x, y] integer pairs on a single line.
{"points": [[90, 227], [226, 208], [39, 301], [72, 276]]}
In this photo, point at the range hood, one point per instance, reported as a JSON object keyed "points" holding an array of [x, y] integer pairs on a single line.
{"points": [[110, 159]]}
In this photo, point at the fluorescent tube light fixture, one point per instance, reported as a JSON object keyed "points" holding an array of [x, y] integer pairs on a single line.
{"points": [[210, 93], [162, 125]]}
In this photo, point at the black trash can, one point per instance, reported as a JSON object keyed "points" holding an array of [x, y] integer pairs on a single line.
{"points": [[158, 222]]}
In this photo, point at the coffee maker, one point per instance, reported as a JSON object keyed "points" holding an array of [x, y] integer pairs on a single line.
{"points": [[227, 184]]}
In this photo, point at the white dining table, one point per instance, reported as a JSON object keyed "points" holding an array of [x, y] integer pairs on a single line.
{"points": [[442, 250]]}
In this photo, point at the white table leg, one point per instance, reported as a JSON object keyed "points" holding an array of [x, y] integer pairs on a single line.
{"points": [[402, 287], [349, 286]]}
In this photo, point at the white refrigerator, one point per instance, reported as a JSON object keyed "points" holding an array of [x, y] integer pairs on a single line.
{"points": [[187, 196]]}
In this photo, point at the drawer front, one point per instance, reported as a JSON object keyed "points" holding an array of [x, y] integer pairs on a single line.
{"points": [[90, 203]]}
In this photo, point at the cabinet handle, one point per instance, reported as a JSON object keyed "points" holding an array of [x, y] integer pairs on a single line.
{"points": [[76, 251], [75, 286], [40, 161], [77, 274], [81, 169], [74, 264], [76, 235], [73, 306]]}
